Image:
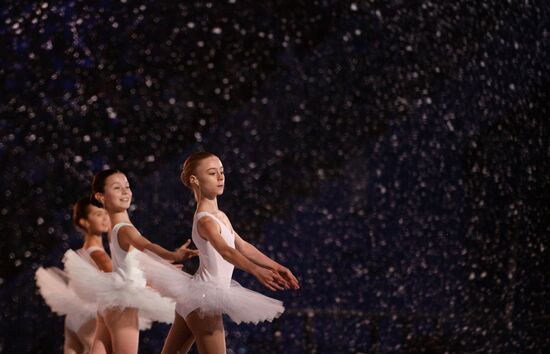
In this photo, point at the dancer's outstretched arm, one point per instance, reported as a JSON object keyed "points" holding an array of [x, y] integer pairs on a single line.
{"points": [[256, 256], [210, 230], [129, 236]]}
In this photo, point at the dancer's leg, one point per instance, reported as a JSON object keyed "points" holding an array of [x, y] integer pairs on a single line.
{"points": [[208, 332], [180, 338], [123, 326], [86, 335], [71, 344], [102, 338]]}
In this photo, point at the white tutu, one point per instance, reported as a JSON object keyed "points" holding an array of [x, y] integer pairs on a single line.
{"points": [[190, 293], [53, 286], [125, 287]]}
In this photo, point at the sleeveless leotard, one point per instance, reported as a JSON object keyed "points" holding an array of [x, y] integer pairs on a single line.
{"points": [[211, 290], [125, 287]]}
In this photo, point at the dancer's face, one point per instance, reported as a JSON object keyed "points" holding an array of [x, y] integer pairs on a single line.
{"points": [[210, 177], [97, 221], [117, 195]]}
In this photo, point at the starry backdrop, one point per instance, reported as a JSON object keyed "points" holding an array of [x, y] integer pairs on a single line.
{"points": [[394, 154]]}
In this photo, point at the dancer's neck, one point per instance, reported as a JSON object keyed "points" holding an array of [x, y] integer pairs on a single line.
{"points": [[119, 217], [92, 240], [209, 205]]}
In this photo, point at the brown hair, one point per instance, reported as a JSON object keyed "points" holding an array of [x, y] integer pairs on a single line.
{"points": [[190, 165], [98, 184], [80, 211]]}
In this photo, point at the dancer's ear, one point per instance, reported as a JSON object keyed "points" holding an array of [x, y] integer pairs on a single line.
{"points": [[100, 198], [84, 223]]}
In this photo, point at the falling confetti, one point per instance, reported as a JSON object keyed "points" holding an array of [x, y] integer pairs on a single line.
{"points": [[394, 155]]}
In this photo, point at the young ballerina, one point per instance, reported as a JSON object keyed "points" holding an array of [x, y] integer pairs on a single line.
{"points": [[123, 295], [80, 314], [203, 298]]}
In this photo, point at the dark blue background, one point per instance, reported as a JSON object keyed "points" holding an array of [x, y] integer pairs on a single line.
{"points": [[394, 154]]}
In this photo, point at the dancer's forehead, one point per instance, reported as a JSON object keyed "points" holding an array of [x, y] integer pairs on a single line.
{"points": [[93, 209], [117, 178], [209, 163]]}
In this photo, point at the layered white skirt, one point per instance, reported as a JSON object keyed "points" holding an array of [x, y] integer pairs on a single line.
{"points": [[53, 285], [123, 288], [208, 298]]}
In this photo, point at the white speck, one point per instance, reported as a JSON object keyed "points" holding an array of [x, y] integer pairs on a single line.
{"points": [[190, 24], [78, 159], [40, 221], [353, 6], [216, 30], [150, 158], [296, 119], [86, 138], [450, 126], [111, 113]]}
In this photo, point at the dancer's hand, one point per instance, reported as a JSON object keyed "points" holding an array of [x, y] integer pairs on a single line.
{"points": [[286, 274], [184, 253], [270, 279]]}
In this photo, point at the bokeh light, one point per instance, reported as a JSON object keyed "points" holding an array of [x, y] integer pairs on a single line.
{"points": [[395, 155]]}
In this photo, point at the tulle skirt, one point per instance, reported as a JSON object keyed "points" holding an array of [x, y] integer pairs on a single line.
{"points": [[53, 286], [208, 298], [124, 287]]}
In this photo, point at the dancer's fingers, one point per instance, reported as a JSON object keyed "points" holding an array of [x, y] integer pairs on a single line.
{"points": [[278, 281], [276, 285], [269, 286], [291, 279], [186, 243]]}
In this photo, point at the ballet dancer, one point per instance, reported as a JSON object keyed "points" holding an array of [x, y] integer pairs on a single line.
{"points": [[53, 283], [203, 298], [123, 296]]}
